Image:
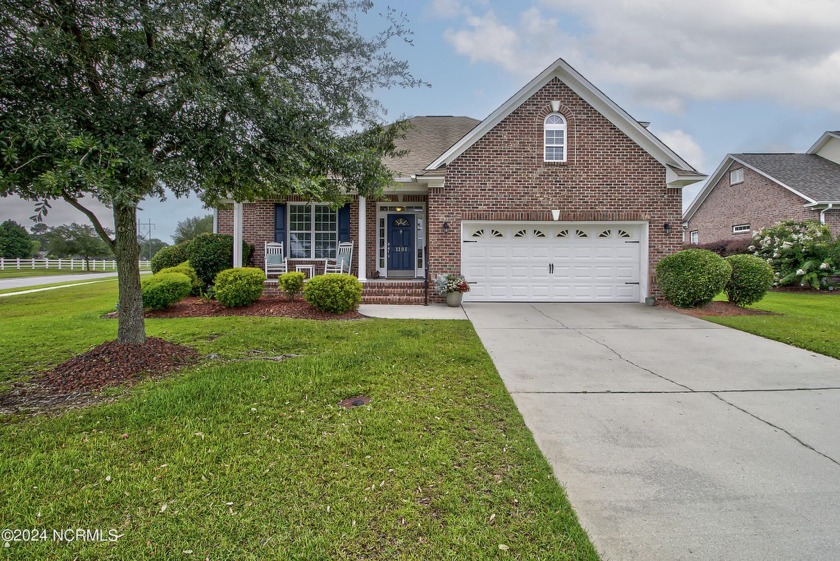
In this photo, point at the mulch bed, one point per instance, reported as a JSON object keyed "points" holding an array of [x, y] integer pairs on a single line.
{"points": [[74, 382], [717, 309], [266, 306]]}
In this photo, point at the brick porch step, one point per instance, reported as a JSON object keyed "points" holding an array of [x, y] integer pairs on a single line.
{"points": [[408, 292], [393, 292]]}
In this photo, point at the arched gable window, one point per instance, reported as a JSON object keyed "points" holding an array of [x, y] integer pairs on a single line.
{"points": [[555, 138]]}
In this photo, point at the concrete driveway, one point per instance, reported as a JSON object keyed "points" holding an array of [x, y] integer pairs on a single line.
{"points": [[676, 438]]}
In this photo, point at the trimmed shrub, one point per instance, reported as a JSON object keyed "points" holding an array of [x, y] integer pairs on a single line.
{"points": [[185, 269], [238, 287], [162, 290], [750, 279], [291, 283], [170, 256], [209, 254], [334, 293], [692, 277]]}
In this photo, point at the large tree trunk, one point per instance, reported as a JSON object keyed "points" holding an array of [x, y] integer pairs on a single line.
{"points": [[130, 327]]}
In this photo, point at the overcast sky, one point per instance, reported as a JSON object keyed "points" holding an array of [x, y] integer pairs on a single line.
{"points": [[713, 76]]}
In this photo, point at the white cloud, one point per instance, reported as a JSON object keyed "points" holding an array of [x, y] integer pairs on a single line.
{"points": [[684, 144], [524, 49], [453, 8], [666, 53]]}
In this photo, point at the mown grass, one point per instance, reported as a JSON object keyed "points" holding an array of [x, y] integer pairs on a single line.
{"points": [[254, 459], [806, 320]]}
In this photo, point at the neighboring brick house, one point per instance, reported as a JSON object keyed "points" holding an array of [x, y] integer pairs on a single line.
{"points": [[749, 192], [558, 195]]}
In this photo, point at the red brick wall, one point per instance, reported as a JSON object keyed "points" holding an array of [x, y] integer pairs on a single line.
{"points": [[503, 176], [757, 201]]}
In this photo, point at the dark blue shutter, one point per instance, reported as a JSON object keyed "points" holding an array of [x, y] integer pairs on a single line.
{"points": [[344, 223], [280, 225]]}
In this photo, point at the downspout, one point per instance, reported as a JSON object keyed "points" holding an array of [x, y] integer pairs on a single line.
{"points": [[823, 211]]}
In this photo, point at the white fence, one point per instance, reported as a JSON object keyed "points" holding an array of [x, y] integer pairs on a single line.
{"points": [[62, 264]]}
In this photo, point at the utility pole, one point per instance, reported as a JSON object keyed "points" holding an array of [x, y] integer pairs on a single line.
{"points": [[149, 227]]}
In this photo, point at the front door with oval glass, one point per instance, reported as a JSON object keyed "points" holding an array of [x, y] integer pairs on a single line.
{"points": [[401, 245]]}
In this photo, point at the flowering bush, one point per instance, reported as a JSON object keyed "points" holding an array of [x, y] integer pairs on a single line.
{"points": [[445, 284], [799, 253]]}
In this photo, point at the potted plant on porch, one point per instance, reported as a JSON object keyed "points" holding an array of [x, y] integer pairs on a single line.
{"points": [[453, 287]]}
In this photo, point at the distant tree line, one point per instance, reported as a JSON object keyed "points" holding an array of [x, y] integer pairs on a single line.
{"points": [[82, 240]]}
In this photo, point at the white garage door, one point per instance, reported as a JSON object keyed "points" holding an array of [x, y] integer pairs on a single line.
{"points": [[552, 262]]}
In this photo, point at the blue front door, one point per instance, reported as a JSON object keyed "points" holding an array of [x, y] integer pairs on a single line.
{"points": [[400, 242]]}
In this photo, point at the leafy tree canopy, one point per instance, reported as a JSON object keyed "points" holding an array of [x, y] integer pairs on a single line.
{"points": [[228, 98], [14, 241], [189, 228]]}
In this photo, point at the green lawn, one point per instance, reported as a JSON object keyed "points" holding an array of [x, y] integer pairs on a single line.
{"points": [[807, 320], [253, 459]]}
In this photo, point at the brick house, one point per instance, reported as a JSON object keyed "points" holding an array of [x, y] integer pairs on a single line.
{"points": [[749, 192], [558, 195]]}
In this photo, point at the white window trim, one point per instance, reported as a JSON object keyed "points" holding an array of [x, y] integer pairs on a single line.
{"points": [[694, 237], [741, 229], [736, 176], [311, 231], [554, 126]]}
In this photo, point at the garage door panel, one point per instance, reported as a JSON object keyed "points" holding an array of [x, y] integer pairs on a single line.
{"points": [[518, 265]]}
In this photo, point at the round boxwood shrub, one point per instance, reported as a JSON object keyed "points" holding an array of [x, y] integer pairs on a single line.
{"points": [[334, 293], [750, 279], [170, 256], [234, 288], [185, 269], [291, 283], [211, 253], [162, 290], [692, 277]]}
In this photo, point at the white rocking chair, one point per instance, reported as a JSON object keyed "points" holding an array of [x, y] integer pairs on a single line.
{"points": [[342, 261], [275, 259]]}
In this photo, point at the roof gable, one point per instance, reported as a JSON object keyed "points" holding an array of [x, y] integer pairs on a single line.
{"points": [[809, 176], [828, 146], [679, 172]]}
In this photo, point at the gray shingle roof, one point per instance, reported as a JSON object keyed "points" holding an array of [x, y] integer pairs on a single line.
{"points": [[426, 139], [809, 174]]}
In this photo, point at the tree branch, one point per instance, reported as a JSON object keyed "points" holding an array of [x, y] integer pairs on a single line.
{"points": [[92, 217]]}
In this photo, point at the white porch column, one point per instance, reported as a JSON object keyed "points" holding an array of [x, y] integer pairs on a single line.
{"points": [[237, 235], [216, 220], [362, 239]]}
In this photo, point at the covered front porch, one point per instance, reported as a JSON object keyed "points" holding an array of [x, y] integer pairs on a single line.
{"points": [[389, 235]]}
